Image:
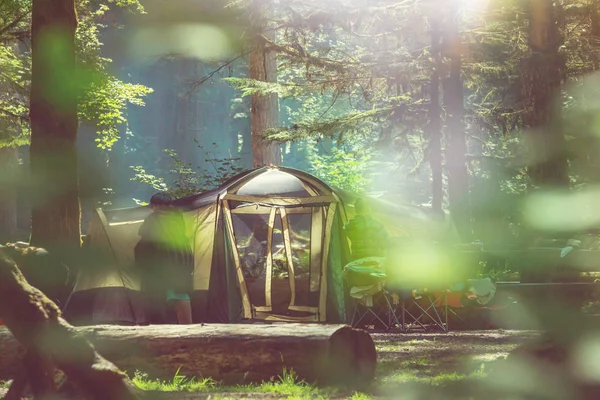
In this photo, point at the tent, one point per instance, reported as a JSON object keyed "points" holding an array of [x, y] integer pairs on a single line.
{"points": [[268, 245], [107, 289]]}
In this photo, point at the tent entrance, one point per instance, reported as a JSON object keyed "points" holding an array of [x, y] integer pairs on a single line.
{"points": [[280, 274]]}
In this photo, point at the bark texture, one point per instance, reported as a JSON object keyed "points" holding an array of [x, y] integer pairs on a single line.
{"points": [[55, 221], [265, 108], [38, 333], [542, 76], [458, 177], [230, 353]]}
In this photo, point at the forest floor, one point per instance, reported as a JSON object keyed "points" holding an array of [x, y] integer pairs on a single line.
{"points": [[409, 364]]}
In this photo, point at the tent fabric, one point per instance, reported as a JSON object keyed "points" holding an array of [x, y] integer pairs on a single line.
{"points": [[285, 216], [107, 305]]}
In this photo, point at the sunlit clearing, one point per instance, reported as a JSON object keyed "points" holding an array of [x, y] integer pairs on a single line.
{"points": [[585, 357], [202, 41], [563, 211]]}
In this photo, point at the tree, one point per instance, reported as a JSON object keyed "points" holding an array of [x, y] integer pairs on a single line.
{"points": [[458, 179], [541, 79], [55, 221], [264, 107], [435, 118]]}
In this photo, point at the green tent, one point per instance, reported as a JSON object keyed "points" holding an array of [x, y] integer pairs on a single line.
{"points": [[268, 245]]}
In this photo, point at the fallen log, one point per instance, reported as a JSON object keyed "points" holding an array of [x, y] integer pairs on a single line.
{"points": [[233, 354]]}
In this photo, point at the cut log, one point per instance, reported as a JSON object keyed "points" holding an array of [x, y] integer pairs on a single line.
{"points": [[229, 353]]}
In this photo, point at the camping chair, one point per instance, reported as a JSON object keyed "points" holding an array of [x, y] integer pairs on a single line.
{"points": [[467, 305], [372, 303], [421, 309], [374, 311]]}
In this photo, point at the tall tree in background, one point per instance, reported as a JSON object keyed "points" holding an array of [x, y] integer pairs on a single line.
{"points": [[541, 79], [458, 177], [265, 107], [56, 215], [435, 117]]}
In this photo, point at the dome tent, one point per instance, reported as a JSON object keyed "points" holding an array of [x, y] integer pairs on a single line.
{"points": [[268, 245]]}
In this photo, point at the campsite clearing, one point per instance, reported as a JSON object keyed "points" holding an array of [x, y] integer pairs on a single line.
{"points": [[406, 362]]}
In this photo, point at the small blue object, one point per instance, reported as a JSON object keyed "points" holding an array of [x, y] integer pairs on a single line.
{"points": [[565, 250], [171, 295]]}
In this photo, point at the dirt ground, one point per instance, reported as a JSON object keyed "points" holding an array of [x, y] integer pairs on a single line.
{"points": [[406, 360], [444, 352]]}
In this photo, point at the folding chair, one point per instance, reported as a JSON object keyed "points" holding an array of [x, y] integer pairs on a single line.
{"points": [[468, 309], [423, 309], [374, 310], [366, 280]]}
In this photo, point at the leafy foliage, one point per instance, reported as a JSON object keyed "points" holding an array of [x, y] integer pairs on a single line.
{"points": [[188, 180], [342, 170], [103, 98]]}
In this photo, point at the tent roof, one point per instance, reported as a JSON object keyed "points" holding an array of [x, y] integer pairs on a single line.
{"points": [[261, 182], [274, 182]]}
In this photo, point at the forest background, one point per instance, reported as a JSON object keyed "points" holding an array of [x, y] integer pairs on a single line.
{"points": [[487, 109]]}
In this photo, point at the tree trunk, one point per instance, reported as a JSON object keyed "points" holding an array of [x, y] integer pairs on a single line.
{"points": [[435, 121], [541, 79], [55, 220], [265, 108], [238, 353], [456, 165], [36, 323], [8, 195]]}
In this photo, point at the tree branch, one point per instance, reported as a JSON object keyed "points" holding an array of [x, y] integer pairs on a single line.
{"points": [[196, 84], [14, 23]]}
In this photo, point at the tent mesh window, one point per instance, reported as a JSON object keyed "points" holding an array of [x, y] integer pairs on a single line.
{"points": [[276, 284]]}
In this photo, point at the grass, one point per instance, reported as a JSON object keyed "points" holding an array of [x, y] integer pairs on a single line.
{"points": [[179, 383], [392, 372], [287, 384]]}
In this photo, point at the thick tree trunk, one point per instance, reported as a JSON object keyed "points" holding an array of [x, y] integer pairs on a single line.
{"points": [[456, 165], [435, 121], [265, 108], [55, 221], [232, 353], [541, 79], [8, 195], [36, 323]]}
